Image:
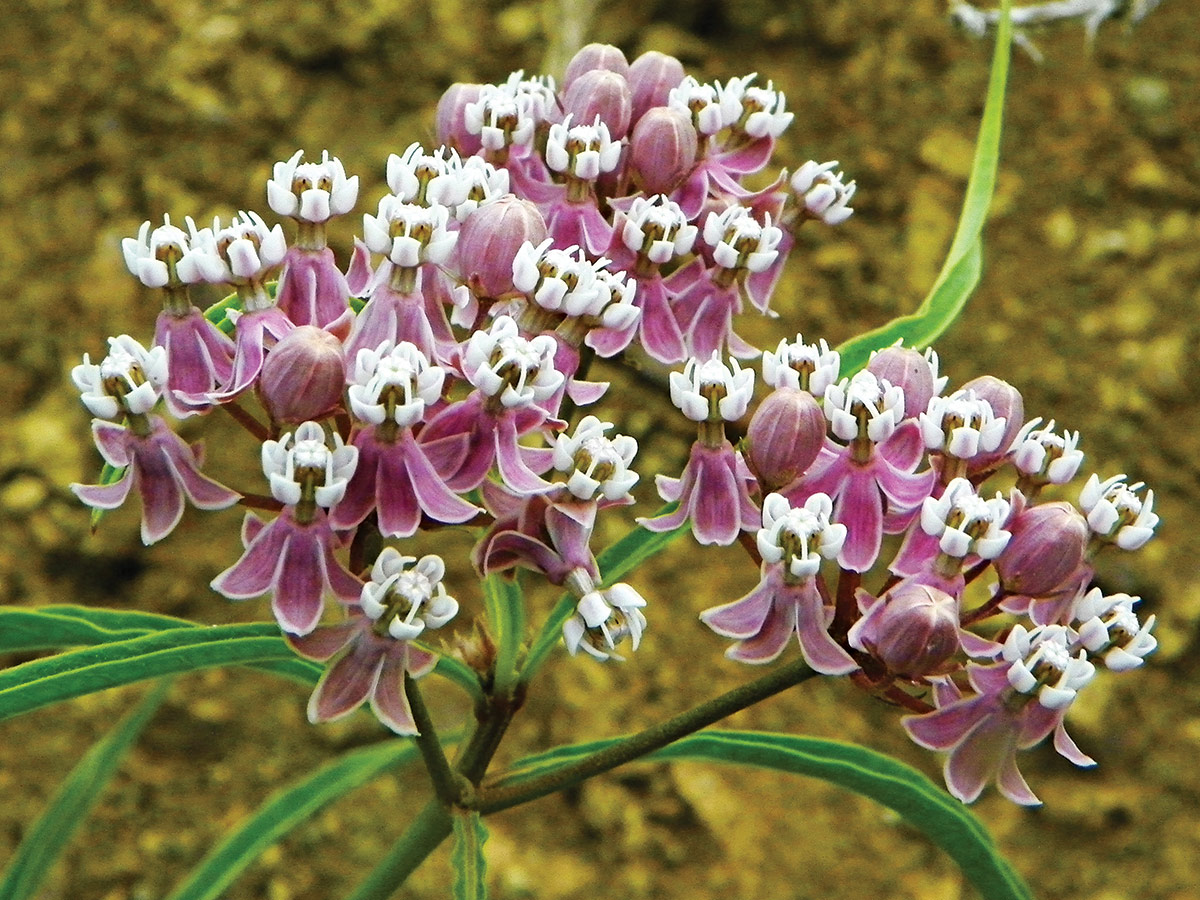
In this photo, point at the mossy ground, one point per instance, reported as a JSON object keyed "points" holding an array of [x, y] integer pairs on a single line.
{"points": [[118, 112]]}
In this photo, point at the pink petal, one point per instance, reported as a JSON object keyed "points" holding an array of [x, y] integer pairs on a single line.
{"points": [[104, 496], [255, 573], [347, 683], [980, 757], [658, 330], [860, 509], [947, 727], [162, 495], [905, 447], [202, 491], [388, 700], [742, 618], [715, 500], [358, 278], [359, 499], [513, 469], [1067, 748], [326, 642], [1012, 784], [821, 652], [299, 583], [777, 629], [113, 441]]}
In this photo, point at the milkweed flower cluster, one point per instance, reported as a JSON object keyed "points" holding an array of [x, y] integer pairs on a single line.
{"points": [[438, 381]]}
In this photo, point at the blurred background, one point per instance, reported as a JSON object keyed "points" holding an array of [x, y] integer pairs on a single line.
{"points": [[116, 112]]}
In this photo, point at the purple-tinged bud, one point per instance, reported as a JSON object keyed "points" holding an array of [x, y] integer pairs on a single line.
{"points": [[304, 376], [784, 436], [593, 57], [910, 370], [1007, 404], [651, 77], [1047, 545], [604, 94], [489, 240], [912, 629], [662, 149], [451, 122]]}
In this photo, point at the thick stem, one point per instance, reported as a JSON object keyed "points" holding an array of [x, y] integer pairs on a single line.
{"points": [[503, 796], [424, 833]]}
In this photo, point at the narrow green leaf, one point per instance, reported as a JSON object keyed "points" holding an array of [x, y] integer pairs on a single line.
{"points": [[616, 560], [285, 810], [945, 821], [49, 836], [77, 672], [505, 607], [466, 856], [961, 270], [65, 625]]}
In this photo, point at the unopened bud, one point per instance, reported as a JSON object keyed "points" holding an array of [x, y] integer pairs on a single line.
{"points": [[489, 240], [784, 436], [451, 123], [662, 149], [600, 93], [304, 376], [1047, 545], [913, 629], [908, 369], [651, 77], [593, 57]]}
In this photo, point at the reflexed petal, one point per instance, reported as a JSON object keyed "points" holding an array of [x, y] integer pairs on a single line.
{"points": [[860, 509], [299, 583], [388, 700], [326, 642], [742, 618], [256, 571], [347, 683]]}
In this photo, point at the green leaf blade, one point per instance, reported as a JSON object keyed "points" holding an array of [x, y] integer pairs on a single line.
{"points": [[65, 676], [283, 812], [945, 821], [50, 835], [963, 266], [505, 605]]}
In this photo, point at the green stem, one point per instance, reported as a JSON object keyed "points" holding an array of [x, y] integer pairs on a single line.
{"points": [[446, 783], [431, 826], [515, 792], [494, 719]]}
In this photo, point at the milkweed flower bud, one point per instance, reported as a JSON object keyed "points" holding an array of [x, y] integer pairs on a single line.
{"points": [[451, 125], [1048, 544], [915, 372], [304, 376], [595, 57], [822, 193], [489, 240], [785, 435], [651, 78], [805, 367], [1116, 513], [311, 192], [1045, 457], [600, 94], [662, 149], [1109, 629], [912, 629]]}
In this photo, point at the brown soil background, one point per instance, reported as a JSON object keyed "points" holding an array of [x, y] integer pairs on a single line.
{"points": [[114, 112]]}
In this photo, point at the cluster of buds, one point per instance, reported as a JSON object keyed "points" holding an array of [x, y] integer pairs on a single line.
{"points": [[436, 382]]}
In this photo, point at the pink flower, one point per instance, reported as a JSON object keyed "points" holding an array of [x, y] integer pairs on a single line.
{"points": [[1018, 702], [164, 470], [786, 600], [292, 557], [376, 653]]}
